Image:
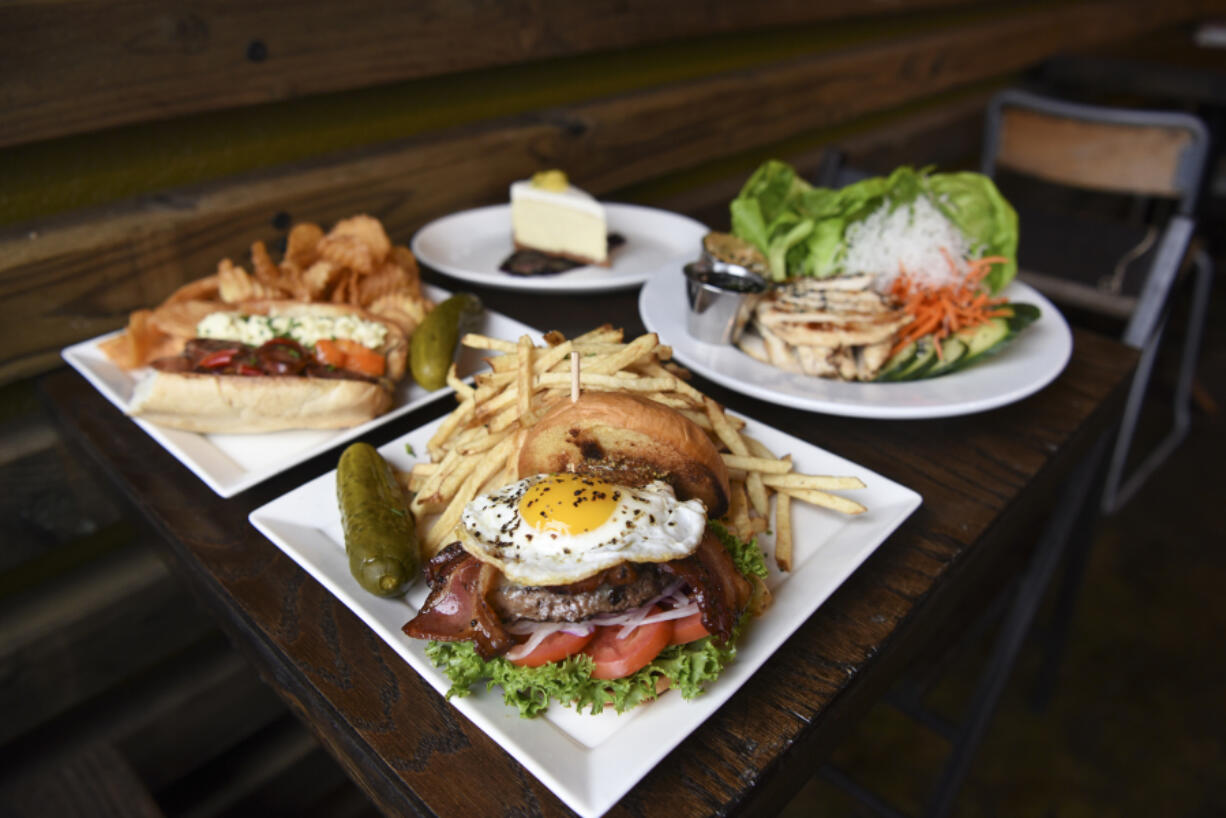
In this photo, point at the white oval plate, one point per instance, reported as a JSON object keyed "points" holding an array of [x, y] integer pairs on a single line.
{"points": [[1030, 362], [471, 244]]}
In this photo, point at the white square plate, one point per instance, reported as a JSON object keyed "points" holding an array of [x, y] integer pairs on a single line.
{"points": [[592, 761], [232, 463]]}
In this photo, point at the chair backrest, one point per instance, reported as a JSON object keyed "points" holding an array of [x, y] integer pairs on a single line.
{"points": [[1116, 150]]}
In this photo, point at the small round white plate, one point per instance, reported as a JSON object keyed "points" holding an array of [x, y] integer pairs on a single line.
{"points": [[1031, 361], [471, 244]]}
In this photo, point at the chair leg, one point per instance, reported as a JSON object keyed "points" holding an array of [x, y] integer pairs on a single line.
{"points": [[1118, 489], [1055, 639], [1074, 515], [1076, 504], [1128, 423]]}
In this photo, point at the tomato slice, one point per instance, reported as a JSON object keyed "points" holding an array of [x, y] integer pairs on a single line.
{"points": [[362, 359], [616, 657], [554, 647], [689, 628], [329, 354]]}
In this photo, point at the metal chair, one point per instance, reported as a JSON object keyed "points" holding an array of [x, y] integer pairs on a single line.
{"points": [[1154, 154], [1091, 148]]}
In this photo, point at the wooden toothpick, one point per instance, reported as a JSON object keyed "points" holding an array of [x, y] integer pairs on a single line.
{"points": [[574, 377]]}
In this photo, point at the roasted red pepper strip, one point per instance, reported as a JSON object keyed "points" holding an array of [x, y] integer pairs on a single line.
{"points": [[218, 359]]}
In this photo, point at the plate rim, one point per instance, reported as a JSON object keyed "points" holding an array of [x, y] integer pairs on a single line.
{"points": [[78, 357], [589, 797], [543, 284], [683, 346]]}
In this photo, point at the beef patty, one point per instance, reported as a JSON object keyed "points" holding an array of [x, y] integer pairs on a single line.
{"points": [[620, 588]]}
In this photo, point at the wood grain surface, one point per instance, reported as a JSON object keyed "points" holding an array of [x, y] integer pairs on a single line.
{"points": [[986, 481], [81, 277], [77, 66]]}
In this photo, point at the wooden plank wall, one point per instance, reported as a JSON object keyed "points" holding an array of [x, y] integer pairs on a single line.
{"points": [[687, 98]]}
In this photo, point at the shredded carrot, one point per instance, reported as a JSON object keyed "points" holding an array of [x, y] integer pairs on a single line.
{"points": [[940, 311]]}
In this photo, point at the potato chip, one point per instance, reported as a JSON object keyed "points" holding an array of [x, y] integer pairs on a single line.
{"points": [[320, 278], [235, 284], [389, 278], [366, 231], [348, 252], [359, 243], [401, 308], [294, 280], [345, 285], [128, 348], [181, 317], [266, 270], [202, 289], [301, 246], [403, 258]]}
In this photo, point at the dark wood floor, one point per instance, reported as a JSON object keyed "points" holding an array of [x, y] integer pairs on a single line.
{"points": [[109, 673]]}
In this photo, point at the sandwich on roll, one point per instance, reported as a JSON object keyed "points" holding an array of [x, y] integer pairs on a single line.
{"points": [[264, 366], [599, 577]]}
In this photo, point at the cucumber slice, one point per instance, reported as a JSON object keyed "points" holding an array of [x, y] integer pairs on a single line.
{"points": [[925, 356], [918, 359], [1023, 316], [980, 339], [897, 362], [953, 350], [986, 339]]}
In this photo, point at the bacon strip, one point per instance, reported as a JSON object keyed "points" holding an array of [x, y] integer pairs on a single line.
{"points": [[456, 609], [715, 584]]}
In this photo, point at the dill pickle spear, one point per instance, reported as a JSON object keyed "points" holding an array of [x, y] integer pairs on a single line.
{"points": [[380, 533], [433, 345]]}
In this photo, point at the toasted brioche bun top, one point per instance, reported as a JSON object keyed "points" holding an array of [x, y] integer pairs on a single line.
{"points": [[612, 433]]}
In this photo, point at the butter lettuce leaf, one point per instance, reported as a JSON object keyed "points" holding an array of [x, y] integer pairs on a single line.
{"points": [[974, 203], [801, 228]]}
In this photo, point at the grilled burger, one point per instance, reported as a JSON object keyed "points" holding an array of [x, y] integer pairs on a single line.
{"points": [[598, 578]]}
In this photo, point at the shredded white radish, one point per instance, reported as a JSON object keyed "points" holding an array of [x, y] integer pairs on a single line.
{"points": [[917, 238]]}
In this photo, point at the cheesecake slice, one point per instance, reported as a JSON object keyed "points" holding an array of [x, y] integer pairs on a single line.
{"points": [[552, 216]]}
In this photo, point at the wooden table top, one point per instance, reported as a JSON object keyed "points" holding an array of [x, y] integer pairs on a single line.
{"points": [[986, 481]]}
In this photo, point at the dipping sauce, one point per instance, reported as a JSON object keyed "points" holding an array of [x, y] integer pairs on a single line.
{"points": [[720, 300], [728, 281]]}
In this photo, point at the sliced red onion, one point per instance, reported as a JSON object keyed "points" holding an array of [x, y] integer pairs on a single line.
{"points": [[682, 607], [538, 631]]}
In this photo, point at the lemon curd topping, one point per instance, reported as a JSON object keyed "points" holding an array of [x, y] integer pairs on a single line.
{"points": [[554, 180]]}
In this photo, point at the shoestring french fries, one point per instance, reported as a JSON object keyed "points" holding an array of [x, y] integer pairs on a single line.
{"points": [[476, 447]]}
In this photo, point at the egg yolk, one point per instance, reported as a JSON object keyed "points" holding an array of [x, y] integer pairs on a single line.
{"points": [[568, 503]]}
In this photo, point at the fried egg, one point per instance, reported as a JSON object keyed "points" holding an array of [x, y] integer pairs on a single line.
{"points": [[557, 529]]}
